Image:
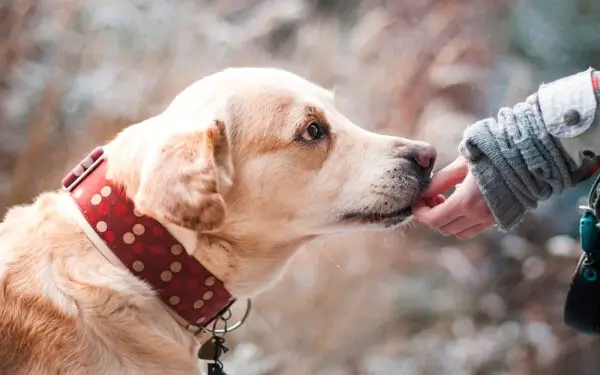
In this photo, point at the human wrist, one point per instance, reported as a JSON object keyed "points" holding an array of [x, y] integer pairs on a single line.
{"points": [[478, 147]]}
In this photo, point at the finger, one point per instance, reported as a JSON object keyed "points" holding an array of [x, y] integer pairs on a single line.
{"points": [[447, 177], [441, 214], [479, 213], [434, 201], [440, 199], [473, 231], [430, 202], [460, 225], [420, 209]]}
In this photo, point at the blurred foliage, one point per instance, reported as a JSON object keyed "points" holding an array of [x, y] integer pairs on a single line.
{"points": [[557, 37], [73, 73]]}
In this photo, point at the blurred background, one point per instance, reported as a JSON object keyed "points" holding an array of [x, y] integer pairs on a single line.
{"points": [[73, 73]]}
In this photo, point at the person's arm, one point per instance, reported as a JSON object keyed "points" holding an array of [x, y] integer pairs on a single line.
{"points": [[536, 149], [527, 154]]}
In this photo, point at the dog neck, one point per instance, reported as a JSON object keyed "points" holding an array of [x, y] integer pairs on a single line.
{"points": [[247, 266]]}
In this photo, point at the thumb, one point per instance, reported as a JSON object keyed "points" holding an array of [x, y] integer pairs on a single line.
{"points": [[447, 177]]}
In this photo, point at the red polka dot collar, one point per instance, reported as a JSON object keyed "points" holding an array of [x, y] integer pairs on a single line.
{"points": [[144, 246]]}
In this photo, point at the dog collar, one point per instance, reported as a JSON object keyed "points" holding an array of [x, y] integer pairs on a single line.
{"points": [[144, 246]]}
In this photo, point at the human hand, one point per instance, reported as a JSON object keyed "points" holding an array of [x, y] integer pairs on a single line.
{"points": [[464, 213]]}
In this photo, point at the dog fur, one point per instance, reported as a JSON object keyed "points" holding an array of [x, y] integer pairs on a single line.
{"points": [[230, 169]]}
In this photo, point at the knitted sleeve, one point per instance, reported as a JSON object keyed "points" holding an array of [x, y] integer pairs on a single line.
{"points": [[516, 160]]}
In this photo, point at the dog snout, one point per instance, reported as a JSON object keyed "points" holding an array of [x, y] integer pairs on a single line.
{"points": [[422, 156]]}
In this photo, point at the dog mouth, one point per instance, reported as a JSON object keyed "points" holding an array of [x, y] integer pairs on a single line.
{"points": [[386, 219]]}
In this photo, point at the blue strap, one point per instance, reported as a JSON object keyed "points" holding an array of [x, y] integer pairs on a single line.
{"points": [[590, 233]]}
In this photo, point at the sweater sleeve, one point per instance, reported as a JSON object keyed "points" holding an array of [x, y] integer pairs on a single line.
{"points": [[518, 158]]}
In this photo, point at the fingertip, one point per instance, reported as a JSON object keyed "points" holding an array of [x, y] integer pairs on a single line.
{"points": [[439, 199], [430, 202], [419, 210], [447, 177]]}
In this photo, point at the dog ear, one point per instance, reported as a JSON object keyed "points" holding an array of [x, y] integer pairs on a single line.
{"points": [[181, 181]]}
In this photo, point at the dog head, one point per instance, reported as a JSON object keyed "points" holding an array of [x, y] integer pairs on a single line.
{"points": [[262, 156]]}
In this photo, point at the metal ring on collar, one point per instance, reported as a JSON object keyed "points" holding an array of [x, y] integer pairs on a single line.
{"points": [[236, 325]]}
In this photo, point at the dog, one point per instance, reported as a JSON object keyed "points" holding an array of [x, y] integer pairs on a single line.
{"points": [[240, 170]]}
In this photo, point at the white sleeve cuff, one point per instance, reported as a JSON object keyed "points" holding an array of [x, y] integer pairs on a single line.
{"points": [[568, 105]]}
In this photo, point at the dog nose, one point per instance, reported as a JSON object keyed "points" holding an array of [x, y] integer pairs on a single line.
{"points": [[425, 157]]}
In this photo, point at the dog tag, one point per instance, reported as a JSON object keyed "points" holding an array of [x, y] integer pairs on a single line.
{"points": [[215, 369], [208, 350], [212, 349]]}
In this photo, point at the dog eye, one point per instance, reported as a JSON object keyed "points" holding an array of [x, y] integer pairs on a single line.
{"points": [[314, 132]]}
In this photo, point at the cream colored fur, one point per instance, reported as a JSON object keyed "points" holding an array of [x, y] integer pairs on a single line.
{"points": [[228, 170]]}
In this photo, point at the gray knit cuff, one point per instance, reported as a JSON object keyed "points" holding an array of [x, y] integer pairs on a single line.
{"points": [[515, 161], [505, 208]]}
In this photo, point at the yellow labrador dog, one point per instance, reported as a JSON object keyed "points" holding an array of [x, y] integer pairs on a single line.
{"points": [[157, 232]]}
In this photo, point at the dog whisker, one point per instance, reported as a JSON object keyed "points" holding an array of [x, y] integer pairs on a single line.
{"points": [[330, 259]]}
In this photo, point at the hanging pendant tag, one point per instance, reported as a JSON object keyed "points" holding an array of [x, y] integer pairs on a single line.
{"points": [[208, 350], [212, 349]]}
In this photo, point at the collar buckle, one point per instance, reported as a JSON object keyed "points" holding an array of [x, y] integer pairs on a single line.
{"points": [[83, 169]]}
